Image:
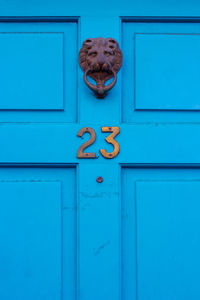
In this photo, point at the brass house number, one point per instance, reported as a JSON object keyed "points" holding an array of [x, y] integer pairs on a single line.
{"points": [[110, 139]]}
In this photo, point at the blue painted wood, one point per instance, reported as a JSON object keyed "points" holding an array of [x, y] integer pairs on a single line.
{"points": [[168, 241], [157, 56], [150, 143], [99, 266], [154, 51], [112, 8], [135, 235], [31, 231], [38, 233], [39, 79], [160, 230], [42, 78]]}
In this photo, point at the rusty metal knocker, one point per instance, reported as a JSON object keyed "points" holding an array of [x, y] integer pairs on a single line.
{"points": [[100, 59], [100, 89]]}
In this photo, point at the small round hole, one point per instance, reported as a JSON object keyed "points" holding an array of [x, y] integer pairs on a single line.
{"points": [[99, 179]]}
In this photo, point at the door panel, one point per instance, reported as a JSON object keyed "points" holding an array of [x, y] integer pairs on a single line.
{"points": [[160, 230], [38, 71], [38, 227], [162, 70]]}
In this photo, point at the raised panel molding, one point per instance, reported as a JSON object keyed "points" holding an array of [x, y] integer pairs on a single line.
{"points": [[31, 71], [167, 71], [38, 237], [38, 70], [168, 230], [160, 233], [160, 81], [30, 226]]}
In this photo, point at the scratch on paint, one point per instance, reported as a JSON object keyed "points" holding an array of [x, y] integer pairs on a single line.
{"points": [[98, 195], [97, 251]]}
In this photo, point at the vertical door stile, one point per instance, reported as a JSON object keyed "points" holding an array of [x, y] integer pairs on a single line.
{"points": [[99, 263]]}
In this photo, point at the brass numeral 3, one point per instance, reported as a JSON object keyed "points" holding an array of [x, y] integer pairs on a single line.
{"points": [[110, 139]]}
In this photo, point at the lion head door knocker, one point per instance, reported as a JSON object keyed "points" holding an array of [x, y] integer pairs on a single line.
{"points": [[100, 59]]}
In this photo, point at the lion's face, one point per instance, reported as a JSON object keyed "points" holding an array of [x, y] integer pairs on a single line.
{"points": [[100, 56]]}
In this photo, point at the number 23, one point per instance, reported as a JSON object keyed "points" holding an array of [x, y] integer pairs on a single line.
{"points": [[110, 139]]}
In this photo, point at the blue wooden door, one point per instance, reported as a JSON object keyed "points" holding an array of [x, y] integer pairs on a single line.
{"points": [[134, 234]]}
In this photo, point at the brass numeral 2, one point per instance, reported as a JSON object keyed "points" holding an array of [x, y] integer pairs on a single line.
{"points": [[110, 139], [80, 153]]}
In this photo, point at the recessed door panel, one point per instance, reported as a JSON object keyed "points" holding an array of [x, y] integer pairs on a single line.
{"points": [[161, 230], [38, 234], [38, 71], [162, 70]]}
